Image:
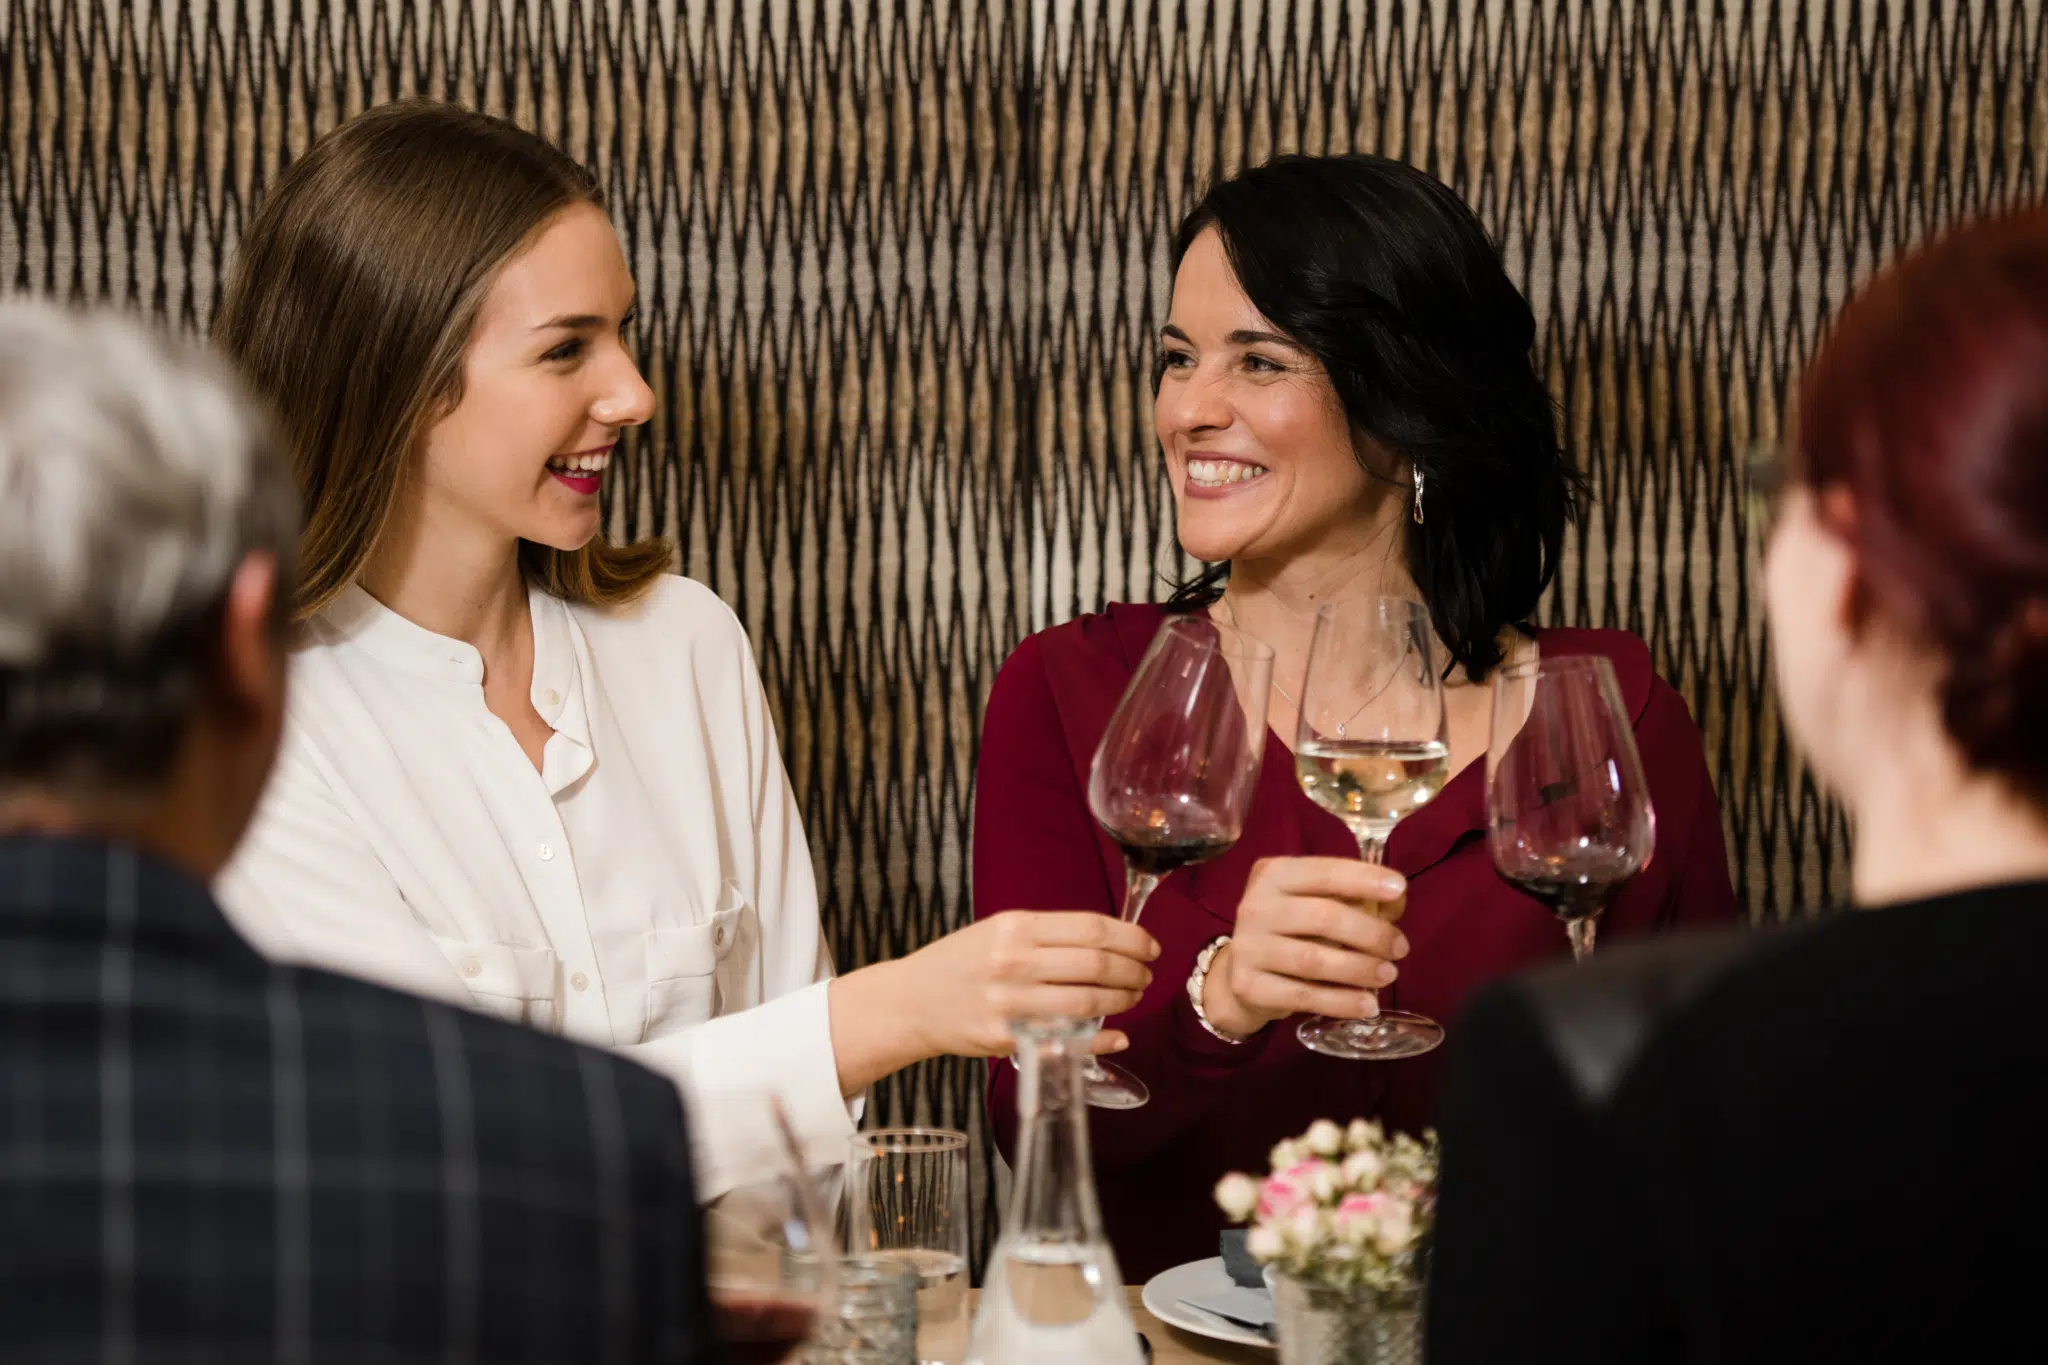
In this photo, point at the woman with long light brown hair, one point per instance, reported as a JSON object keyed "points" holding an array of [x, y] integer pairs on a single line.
{"points": [[527, 769]]}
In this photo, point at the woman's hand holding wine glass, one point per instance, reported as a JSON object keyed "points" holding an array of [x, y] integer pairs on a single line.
{"points": [[1313, 936], [960, 993]]}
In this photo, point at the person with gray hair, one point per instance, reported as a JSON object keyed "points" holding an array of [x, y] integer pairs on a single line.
{"points": [[204, 1155]]}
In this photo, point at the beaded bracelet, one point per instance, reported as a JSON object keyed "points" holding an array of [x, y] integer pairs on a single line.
{"points": [[1199, 978]]}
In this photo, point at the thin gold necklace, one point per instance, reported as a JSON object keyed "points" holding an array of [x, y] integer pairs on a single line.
{"points": [[1228, 606]]}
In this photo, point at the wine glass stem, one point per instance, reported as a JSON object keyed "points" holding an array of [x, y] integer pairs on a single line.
{"points": [[1582, 930], [1138, 887], [1372, 847]]}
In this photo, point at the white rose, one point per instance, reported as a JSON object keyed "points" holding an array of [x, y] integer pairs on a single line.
{"points": [[1396, 1230], [1322, 1183], [1358, 1135], [1304, 1229], [1324, 1138], [1262, 1243], [1287, 1154], [1362, 1170], [1237, 1195]]}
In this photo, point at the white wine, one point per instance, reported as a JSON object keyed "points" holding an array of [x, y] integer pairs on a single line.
{"points": [[1373, 781]]}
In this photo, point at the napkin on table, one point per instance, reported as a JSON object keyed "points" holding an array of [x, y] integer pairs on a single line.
{"points": [[1245, 1301]]}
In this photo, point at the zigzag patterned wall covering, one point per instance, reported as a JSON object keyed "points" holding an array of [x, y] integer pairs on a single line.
{"points": [[901, 264]]}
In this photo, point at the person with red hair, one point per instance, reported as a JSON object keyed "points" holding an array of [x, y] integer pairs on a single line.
{"points": [[1821, 1142]]}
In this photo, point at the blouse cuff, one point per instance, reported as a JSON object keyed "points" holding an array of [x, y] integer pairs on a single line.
{"points": [[730, 1065]]}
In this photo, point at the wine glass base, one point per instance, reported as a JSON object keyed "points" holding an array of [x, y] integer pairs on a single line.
{"points": [[1393, 1035], [1112, 1087]]}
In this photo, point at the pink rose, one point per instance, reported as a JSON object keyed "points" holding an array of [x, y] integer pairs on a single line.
{"points": [[1361, 1205], [1280, 1196]]}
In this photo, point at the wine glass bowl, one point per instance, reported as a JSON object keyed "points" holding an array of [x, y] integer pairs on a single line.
{"points": [[1372, 746], [1569, 817], [771, 1266], [1173, 777]]}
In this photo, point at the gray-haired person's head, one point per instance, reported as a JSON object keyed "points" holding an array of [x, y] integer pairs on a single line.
{"points": [[136, 477]]}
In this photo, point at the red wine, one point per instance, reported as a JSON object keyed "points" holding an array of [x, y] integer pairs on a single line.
{"points": [[1159, 854], [1570, 898], [762, 1331]]}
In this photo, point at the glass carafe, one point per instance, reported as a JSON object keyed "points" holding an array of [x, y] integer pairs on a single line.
{"points": [[1052, 1295]]}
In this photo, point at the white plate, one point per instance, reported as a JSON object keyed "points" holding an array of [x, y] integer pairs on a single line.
{"points": [[1163, 1293]]}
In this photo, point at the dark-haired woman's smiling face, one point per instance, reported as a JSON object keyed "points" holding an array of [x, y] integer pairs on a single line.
{"points": [[1256, 441]]}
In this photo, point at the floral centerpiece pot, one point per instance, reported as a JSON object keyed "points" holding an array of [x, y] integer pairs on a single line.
{"points": [[1341, 1227]]}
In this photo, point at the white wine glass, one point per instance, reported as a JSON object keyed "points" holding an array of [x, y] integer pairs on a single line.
{"points": [[1371, 747], [1174, 774], [1568, 814]]}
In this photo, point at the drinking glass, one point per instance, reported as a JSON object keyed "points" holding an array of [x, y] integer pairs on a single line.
{"points": [[1568, 815], [1372, 746], [876, 1323], [772, 1268], [1174, 774], [908, 1201]]}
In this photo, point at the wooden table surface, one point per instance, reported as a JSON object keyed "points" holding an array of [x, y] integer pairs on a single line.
{"points": [[1172, 1346]]}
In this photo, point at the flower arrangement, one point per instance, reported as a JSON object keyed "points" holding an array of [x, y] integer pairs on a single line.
{"points": [[1345, 1209]]}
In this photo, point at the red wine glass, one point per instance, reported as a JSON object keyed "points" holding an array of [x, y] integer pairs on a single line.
{"points": [[1568, 813], [773, 1269], [1174, 774]]}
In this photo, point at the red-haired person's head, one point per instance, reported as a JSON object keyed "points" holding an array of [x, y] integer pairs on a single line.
{"points": [[1907, 573]]}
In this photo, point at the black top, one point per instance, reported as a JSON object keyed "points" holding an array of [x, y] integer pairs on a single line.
{"points": [[1811, 1144], [207, 1157]]}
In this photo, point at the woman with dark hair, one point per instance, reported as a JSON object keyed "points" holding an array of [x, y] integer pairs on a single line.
{"points": [[1815, 1143], [1347, 407]]}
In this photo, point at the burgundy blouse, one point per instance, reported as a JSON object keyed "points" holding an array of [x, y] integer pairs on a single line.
{"points": [[1218, 1107]]}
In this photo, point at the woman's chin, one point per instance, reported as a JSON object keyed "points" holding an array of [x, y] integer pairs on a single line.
{"points": [[565, 537], [1214, 530], [1211, 539]]}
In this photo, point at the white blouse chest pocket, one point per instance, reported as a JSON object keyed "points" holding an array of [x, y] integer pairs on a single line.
{"points": [[684, 965], [515, 984]]}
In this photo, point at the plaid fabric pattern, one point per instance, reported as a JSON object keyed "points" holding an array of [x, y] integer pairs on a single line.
{"points": [[206, 1157]]}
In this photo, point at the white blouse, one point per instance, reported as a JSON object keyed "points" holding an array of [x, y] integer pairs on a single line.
{"points": [[648, 890]]}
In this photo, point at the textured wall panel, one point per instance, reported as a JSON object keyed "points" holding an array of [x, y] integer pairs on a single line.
{"points": [[902, 267]]}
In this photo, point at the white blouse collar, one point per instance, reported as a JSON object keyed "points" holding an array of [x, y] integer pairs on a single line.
{"points": [[361, 620]]}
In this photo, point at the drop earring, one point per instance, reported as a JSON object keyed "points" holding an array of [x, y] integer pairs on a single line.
{"points": [[1417, 470]]}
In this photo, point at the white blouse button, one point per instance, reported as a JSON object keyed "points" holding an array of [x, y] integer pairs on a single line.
{"points": [[580, 982], [547, 853], [718, 935], [548, 696], [472, 968]]}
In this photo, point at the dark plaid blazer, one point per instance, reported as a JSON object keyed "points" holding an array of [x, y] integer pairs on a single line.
{"points": [[207, 1157]]}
